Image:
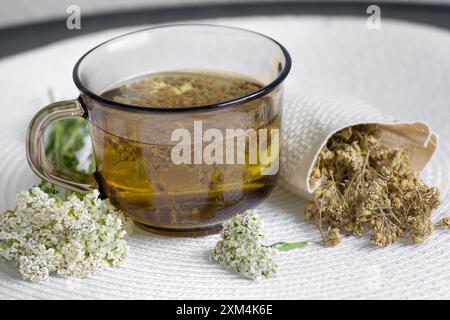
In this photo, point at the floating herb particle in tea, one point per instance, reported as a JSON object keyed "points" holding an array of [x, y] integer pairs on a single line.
{"points": [[363, 186], [183, 89]]}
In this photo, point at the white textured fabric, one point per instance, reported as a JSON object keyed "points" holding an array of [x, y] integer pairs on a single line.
{"points": [[311, 119], [403, 69]]}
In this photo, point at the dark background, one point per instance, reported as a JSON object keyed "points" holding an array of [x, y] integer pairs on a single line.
{"points": [[20, 38]]}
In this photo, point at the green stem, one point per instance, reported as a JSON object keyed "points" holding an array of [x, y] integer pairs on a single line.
{"points": [[58, 132], [285, 246], [74, 135]]}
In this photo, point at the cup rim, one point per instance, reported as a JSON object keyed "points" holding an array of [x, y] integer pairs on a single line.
{"points": [[132, 107]]}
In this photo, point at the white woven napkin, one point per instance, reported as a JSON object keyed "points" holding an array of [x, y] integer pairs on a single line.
{"points": [[309, 120]]}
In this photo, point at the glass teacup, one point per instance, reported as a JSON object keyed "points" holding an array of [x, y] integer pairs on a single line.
{"points": [[157, 164]]}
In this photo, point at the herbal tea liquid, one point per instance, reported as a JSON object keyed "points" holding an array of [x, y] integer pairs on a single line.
{"points": [[189, 198]]}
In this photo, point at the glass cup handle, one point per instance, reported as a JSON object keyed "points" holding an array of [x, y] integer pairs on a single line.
{"points": [[35, 149]]}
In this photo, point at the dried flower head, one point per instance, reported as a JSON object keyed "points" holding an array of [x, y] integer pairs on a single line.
{"points": [[334, 237], [445, 221], [72, 237], [365, 186]]}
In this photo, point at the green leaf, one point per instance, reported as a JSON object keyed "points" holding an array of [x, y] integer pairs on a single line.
{"points": [[65, 139], [285, 246], [49, 188], [7, 244]]}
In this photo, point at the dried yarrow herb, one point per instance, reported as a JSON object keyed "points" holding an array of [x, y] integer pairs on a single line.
{"points": [[445, 222], [363, 186]]}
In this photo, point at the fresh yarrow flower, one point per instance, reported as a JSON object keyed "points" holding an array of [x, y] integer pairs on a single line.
{"points": [[76, 236], [240, 247]]}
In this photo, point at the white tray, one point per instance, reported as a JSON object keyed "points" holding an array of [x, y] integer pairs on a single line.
{"points": [[404, 69]]}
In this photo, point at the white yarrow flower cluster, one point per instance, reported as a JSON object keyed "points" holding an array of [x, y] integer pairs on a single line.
{"points": [[240, 248], [75, 237]]}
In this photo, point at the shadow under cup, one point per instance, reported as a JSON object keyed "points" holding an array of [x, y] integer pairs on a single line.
{"points": [[134, 145]]}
